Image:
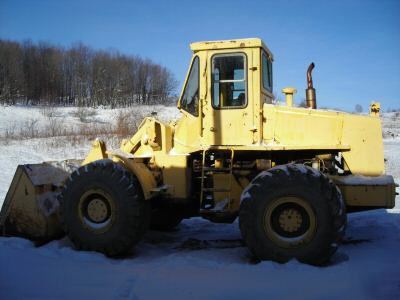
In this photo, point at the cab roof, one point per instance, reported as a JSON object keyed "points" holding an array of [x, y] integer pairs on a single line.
{"points": [[230, 44]]}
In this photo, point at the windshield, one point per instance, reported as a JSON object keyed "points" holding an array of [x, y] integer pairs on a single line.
{"points": [[190, 97]]}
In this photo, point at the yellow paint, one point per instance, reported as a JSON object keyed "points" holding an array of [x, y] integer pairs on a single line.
{"points": [[164, 150], [378, 195], [230, 44], [22, 211], [151, 136], [359, 137], [289, 94], [176, 173], [223, 181], [97, 152], [374, 109]]}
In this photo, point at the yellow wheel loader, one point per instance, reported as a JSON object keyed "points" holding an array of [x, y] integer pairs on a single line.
{"points": [[289, 174]]}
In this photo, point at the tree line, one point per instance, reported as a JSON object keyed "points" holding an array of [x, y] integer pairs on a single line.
{"points": [[41, 73]]}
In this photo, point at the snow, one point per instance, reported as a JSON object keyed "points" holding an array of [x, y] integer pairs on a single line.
{"points": [[199, 260], [245, 195], [48, 203], [366, 267], [54, 172], [14, 116]]}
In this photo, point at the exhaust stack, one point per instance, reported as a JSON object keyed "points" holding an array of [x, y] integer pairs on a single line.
{"points": [[311, 100]]}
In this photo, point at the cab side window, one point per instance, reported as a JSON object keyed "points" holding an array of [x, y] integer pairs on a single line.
{"points": [[190, 96], [266, 72], [229, 80]]}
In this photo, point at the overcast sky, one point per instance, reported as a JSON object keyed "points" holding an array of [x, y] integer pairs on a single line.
{"points": [[354, 44]]}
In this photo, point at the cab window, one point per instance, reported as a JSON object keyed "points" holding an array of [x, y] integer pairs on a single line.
{"points": [[190, 97], [229, 81], [266, 72]]}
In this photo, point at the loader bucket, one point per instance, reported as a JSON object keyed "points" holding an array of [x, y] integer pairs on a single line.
{"points": [[31, 208]]}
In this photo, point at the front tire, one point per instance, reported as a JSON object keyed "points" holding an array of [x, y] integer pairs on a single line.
{"points": [[103, 208], [292, 211]]}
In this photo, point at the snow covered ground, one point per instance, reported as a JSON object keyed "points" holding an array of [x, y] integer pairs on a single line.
{"points": [[199, 260], [14, 116]]}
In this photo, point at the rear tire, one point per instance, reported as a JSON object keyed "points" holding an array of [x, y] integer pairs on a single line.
{"points": [[103, 208], [292, 211]]}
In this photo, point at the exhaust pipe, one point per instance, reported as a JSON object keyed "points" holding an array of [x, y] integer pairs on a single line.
{"points": [[311, 100]]}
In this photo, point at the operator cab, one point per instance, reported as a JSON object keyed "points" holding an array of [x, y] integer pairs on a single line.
{"points": [[228, 81]]}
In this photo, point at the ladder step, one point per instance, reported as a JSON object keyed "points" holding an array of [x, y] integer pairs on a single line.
{"points": [[215, 190]]}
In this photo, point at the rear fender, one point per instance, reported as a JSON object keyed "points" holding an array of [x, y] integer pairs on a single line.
{"points": [[367, 191]]}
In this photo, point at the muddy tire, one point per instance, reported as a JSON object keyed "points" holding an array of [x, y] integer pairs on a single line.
{"points": [[103, 208], [165, 217], [292, 211]]}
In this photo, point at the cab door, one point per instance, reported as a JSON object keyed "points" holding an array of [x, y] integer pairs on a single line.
{"points": [[228, 115]]}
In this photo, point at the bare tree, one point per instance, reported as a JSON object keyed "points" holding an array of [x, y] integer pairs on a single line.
{"points": [[11, 73], [303, 103], [358, 108], [45, 74]]}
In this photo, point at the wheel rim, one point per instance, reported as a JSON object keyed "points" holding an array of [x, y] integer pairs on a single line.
{"points": [[96, 210], [290, 222]]}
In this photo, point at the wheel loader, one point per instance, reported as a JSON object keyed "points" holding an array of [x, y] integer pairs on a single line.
{"points": [[289, 174]]}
